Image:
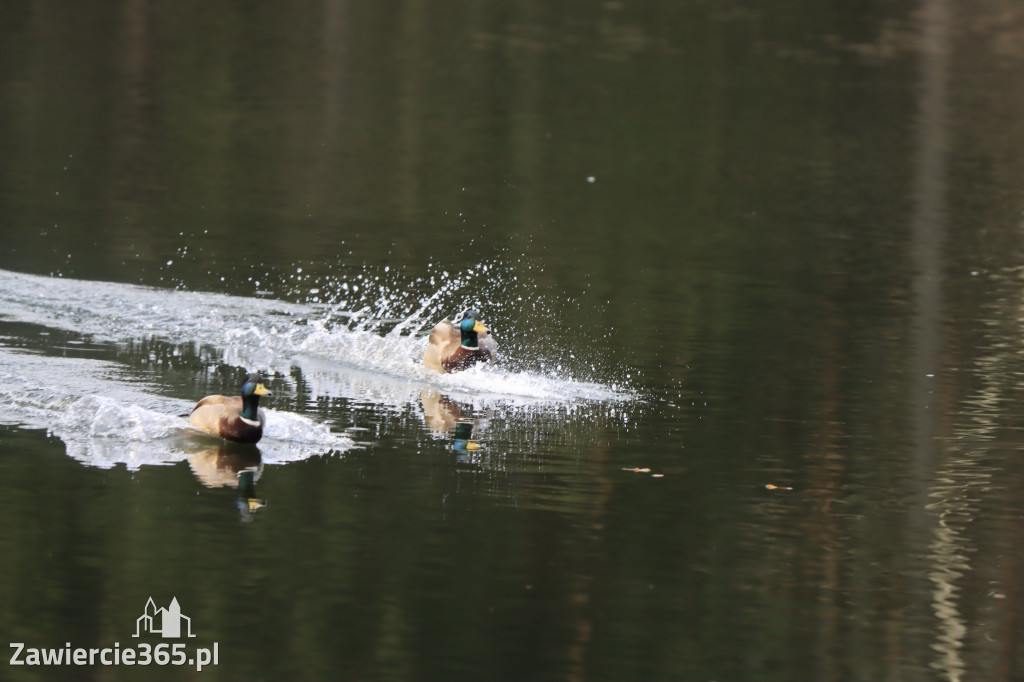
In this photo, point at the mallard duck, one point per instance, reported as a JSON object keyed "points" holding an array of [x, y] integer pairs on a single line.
{"points": [[456, 346], [236, 418]]}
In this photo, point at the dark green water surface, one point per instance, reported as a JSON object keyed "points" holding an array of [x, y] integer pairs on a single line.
{"points": [[757, 272]]}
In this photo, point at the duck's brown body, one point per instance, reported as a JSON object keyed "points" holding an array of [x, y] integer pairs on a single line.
{"points": [[222, 416], [445, 352], [464, 358]]}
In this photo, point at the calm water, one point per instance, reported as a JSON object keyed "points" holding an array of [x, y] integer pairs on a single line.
{"points": [[758, 278]]}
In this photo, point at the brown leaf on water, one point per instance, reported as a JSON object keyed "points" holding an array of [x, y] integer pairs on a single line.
{"points": [[772, 486], [637, 470]]}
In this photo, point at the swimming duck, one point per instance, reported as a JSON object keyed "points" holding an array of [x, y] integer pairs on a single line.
{"points": [[456, 346], [234, 418]]}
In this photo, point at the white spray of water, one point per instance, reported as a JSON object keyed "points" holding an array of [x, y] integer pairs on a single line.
{"points": [[360, 339], [277, 335], [105, 420]]}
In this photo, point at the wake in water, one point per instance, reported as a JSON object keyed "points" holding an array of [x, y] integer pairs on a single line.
{"points": [[101, 432], [362, 342], [105, 421], [374, 331]]}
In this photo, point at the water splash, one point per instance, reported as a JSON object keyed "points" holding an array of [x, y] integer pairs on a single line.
{"points": [[105, 419], [360, 338], [372, 323]]}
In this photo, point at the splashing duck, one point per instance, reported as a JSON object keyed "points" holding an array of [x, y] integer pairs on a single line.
{"points": [[455, 346], [235, 418]]}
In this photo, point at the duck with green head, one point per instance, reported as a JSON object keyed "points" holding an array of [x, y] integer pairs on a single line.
{"points": [[237, 418], [453, 347]]}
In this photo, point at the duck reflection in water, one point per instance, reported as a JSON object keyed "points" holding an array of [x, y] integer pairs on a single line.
{"points": [[450, 419], [231, 465]]}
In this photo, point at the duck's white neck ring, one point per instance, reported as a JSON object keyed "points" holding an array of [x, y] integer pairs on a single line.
{"points": [[249, 421]]}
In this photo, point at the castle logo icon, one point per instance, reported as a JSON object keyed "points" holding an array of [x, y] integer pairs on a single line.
{"points": [[166, 622]]}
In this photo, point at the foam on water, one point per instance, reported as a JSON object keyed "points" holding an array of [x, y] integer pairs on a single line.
{"points": [[369, 326], [105, 420], [363, 342], [101, 432]]}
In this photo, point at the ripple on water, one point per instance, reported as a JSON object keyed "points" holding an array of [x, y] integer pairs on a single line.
{"points": [[364, 346], [371, 338]]}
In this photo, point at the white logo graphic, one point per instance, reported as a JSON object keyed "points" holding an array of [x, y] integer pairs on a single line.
{"points": [[166, 622]]}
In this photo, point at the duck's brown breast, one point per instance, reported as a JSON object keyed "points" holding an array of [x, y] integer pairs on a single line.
{"points": [[241, 430], [464, 358]]}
